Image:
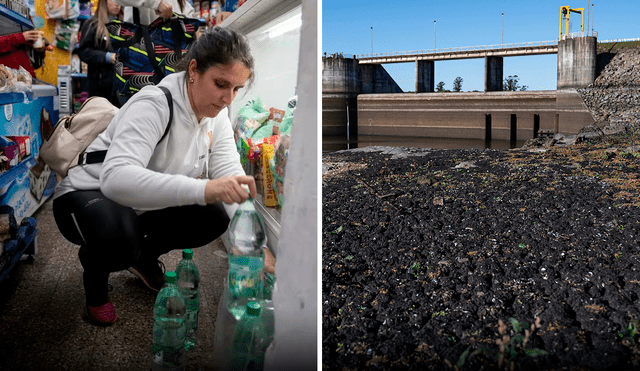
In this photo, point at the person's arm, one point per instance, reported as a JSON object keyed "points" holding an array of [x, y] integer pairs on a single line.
{"points": [[125, 178], [11, 42], [162, 7], [87, 50]]}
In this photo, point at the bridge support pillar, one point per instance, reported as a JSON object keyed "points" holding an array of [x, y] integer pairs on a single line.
{"points": [[493, 74], [576, 62], [425, 76]]}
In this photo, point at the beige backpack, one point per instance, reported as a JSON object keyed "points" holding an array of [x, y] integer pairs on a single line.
{"points": [[65, 147]]}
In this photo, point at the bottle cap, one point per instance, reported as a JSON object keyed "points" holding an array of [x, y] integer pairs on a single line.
{"points": [[246, 188], [187, 253], [253, 308], [170, 277]]}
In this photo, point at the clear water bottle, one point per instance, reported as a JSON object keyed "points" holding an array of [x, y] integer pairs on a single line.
{"points": [[247, 236], [251, 338], [189, 283], [169, 327]]}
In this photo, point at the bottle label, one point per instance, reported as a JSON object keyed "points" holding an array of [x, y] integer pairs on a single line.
{"points": [[248, 284], [191, 320], [245, 276]]}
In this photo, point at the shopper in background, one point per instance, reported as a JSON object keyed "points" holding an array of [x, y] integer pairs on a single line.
{"points": [[151, 10], [151, 196], [14, 49], [96, 51]]}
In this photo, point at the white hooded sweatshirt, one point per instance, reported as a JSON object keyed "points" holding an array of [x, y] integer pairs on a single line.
{"points": [[143, 174]]}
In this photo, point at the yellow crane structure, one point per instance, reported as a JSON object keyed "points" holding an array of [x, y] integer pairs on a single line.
{"points": [[564, 16]]}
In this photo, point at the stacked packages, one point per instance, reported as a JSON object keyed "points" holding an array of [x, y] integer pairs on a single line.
{"points": [[12, 80], [263, 139]]}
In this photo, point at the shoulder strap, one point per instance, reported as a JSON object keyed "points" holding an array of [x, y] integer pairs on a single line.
{"points": [[167, 94], [98, 156]]}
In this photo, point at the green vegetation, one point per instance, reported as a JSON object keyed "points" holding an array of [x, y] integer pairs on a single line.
{"points": [[513, 344], [440, 313], [511, 83], [602, 47], [628, 334]]}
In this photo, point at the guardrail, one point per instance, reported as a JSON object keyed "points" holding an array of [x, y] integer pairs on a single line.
{"points": [[459, 49], [618, 40], [340, 56], [574, 35]]}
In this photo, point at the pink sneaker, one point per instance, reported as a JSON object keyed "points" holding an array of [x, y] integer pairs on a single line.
{"points": [[104, 315]]}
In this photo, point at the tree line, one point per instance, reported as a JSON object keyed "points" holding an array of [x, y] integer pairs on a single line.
{"points": [[511, 83]]}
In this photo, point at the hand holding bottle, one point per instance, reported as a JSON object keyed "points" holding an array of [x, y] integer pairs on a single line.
{"points": [[229, 189], [32, 36]]}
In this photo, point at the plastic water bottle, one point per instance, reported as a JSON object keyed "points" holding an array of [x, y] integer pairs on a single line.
{"points": [[247, 236], [251, 338], [169, 327], [189, 283]]}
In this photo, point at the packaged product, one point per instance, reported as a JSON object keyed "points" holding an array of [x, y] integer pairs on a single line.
{"points": [[39, 175], [269, 197], [278, 165], [24, 145], [11, 151]]}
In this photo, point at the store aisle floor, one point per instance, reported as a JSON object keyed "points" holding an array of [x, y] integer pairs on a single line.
{"points": [[42, 300]]}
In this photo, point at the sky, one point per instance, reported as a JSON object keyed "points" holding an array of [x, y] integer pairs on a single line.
{"points": [[409, 25]]}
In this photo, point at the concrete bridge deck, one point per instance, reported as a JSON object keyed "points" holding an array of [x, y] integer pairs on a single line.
{"points": [[520, 49]]}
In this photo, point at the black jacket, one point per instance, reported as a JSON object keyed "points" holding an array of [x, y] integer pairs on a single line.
{"points": [[100, 73]]}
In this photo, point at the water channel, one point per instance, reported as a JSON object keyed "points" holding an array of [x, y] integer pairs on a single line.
{"points": [[338, 143]]}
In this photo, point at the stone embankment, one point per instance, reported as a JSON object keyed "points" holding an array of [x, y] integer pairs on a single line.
{"points": [[614, 95], [613, 98]]}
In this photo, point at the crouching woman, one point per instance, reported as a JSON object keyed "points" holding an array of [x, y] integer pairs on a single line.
{"points": [[155, 193]]}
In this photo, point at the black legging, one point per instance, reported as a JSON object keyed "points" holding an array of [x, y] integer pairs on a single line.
{"points": [[113, 237]]}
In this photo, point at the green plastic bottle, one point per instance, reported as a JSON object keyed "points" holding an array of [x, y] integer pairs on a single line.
{"points": [[247, 236], [169, 327], [251, 338], [189, 285]]}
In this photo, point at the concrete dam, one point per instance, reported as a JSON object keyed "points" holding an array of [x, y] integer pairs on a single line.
{"points": [[360, 97]]}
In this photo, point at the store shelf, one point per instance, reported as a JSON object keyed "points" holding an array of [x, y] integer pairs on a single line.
{"points": [[272, 219], [7, 177], [12, 22], [37, 91], [13, 97], [255, 18], [257, 13]]}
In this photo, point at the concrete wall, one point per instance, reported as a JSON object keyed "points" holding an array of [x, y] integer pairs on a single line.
{"points": [[375, 79], [493, 73], [334, 114], [573, 113], [464, 115], [576, 62], [425, 76], [342, 80], [340, 75]]}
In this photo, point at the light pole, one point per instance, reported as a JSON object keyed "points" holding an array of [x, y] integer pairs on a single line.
{"points": [[371, 41], [592, 17], [502, 28], [434, 35]]}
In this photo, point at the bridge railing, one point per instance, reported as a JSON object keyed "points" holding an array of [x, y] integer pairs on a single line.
{"points": [[459, 49], [574, 35], [618, 40]]}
